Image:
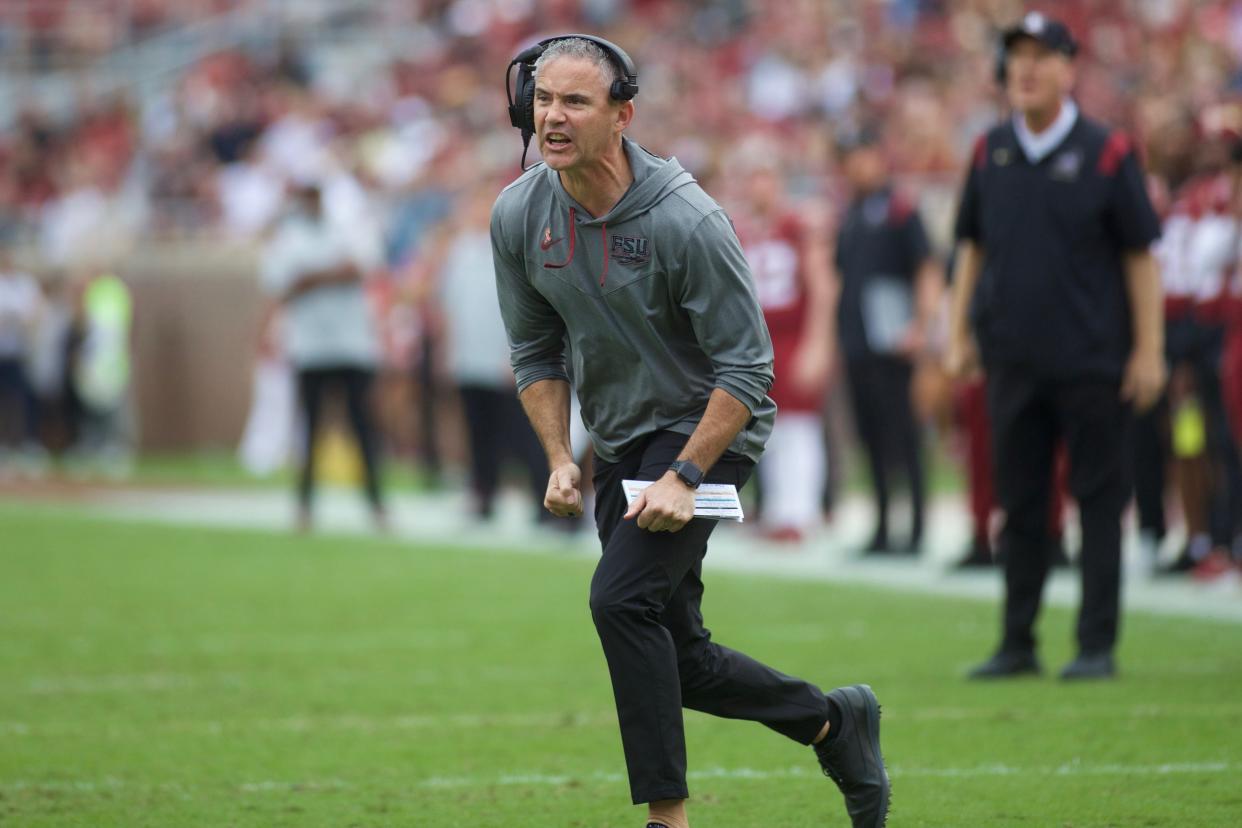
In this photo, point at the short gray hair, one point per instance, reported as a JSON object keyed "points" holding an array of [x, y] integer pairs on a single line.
{"points": [[577, 47]]}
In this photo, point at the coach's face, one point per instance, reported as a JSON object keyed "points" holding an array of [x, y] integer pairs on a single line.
{"points": [[576, 121], [1037, 78]]}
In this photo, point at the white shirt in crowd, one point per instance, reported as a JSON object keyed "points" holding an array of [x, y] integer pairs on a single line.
{"points": [[478, 349], [1201, 242], [250, 198], [328, 327]]}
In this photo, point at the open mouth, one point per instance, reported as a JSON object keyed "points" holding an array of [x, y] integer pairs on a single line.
{"points": [[557, 140]]}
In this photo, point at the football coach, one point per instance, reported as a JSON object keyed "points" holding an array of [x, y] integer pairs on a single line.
{"points": [[1055, 277], [615, 268]]}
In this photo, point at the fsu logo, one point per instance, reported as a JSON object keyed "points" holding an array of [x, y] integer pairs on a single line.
{"points": [[628, 250]]}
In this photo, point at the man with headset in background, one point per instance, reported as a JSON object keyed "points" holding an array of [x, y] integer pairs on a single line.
{"points": [[616, 260], [1055, 274]]}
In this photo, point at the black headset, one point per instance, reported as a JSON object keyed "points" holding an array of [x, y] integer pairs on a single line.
{"points": [[522, 94]]}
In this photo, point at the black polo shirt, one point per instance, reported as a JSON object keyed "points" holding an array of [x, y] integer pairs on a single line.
{"points": [[1052, 294], [881, 239]]}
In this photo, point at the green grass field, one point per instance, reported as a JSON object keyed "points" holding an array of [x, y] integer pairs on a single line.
{"points": [[154, 676]]}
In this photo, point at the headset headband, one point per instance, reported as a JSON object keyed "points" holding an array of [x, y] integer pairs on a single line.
{"points": [[522, 93]]}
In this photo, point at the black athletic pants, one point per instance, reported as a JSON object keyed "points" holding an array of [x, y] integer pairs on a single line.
{"points": [[884, 418], [1029, 415], [1200, 347], [17, 408], [645, 599], [498, 428], [314, 384]]}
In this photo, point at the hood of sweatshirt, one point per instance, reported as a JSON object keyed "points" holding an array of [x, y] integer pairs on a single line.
{"points": [[654, 179]]}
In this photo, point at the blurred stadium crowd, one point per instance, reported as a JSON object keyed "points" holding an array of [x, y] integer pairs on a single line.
{"points": [[395, 110]]}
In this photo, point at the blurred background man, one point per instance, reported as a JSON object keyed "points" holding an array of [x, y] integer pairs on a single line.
{"points": [[1056, 297], [1198, 255], [20, 300], [311, 272], [477, 352], [789, 264], [888, 294]]}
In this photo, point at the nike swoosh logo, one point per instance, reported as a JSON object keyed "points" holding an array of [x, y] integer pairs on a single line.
{"points": [[544, 245]]}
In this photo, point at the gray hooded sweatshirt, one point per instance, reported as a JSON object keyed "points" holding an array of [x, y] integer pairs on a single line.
{"points": [[652, 304]]}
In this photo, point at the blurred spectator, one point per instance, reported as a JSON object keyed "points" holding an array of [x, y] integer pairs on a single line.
{"points": [[312, 271], [19, 307], [477, 352], [1056, 297], [1199, 250], [415, 213], [788, 261], [888, 291], [250, 193], [102, 371], [48, 364]]}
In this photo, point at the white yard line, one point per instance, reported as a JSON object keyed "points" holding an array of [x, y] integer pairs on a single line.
{"points": [[567, 720], [544, 780], [1070, 769]]}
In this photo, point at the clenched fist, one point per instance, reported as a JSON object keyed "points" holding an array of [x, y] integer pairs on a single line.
{"points": [[564, 497]]}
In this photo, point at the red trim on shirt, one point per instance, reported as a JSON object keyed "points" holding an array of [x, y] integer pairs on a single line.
{"points": [[603, 234], [900, 209], [1114, 152], [981, 152]]}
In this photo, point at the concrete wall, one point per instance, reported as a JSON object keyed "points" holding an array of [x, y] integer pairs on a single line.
{"points": [[196, 328]]}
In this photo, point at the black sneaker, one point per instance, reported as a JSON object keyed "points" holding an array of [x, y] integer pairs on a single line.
{"points": [[852, 758], [878, 545], [1090, 666], [978, 556], [1007, 664]]}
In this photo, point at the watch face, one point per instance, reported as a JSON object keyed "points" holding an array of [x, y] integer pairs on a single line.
{"points": [[688, 472]]}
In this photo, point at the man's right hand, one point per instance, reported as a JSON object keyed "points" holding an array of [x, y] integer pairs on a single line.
{"points": [[563, 498], [961, 359]]}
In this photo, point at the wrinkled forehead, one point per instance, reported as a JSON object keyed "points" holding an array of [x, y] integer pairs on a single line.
{"points": [[569, 73]]}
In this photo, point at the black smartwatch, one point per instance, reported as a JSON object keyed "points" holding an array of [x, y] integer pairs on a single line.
{"points": [[689, 473]]}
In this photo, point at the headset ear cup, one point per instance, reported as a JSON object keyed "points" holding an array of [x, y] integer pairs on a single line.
{"points": [[528, 103], [623, 90]]}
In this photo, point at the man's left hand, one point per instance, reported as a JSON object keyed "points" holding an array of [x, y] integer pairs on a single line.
{"points": [[811, 365], [665, 506], [1144, 379]]}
